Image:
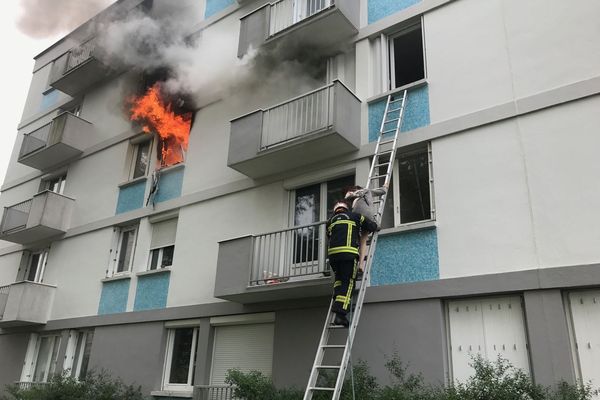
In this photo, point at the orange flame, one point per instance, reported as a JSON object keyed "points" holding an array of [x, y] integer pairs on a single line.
{"points": [[156, 116]]}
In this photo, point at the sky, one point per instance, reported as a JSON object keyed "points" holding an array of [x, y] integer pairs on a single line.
{"points": [[43, 30]]}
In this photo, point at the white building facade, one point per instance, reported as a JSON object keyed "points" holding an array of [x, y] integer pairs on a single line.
{"points": [[169, 275]]}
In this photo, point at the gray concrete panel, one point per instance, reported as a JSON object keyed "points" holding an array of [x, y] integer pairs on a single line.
{"points": [[12, 355], [134, 353], [297, 335], [415, 330], [549, 343]]}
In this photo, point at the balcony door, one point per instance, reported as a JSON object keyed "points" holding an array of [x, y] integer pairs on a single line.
{"points": [[312, 204], [306, 8], [41, 359]]}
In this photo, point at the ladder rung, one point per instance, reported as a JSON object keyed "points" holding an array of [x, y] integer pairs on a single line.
{"points": [[382, 164], [395, 101], [333, 346], [387, 141], [384, 152], [336, 327], [328, 366], [391, 120], [377, 177], [388, 131], [323, 389]]}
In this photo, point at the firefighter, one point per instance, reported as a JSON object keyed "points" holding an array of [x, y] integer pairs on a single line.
{"points": [[343, 231]]}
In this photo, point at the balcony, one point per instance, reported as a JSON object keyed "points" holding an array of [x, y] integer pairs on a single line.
{"points": [[282, 265], [25, 303], [322, 23], [308, 129], [78, 69], [46, 215], [213, 392], [56, 142]]}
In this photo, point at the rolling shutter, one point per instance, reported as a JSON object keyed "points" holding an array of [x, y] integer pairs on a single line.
{"points": [[163, 233], [245, 347], [585, 311]]}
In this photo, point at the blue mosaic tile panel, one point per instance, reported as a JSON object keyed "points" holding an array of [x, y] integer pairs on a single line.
{"points": [[169, 185], [152, 291], [131, 197], [378, 9], [416, 113], [114, 297], [406, 257], [214, 6], [49, 99]]}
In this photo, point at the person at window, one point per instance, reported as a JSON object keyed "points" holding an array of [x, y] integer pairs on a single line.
{"points": [[343, 230], [363, 204]]}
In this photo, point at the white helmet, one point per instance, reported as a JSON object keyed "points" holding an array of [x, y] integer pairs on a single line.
{"points": [[340, 204]]}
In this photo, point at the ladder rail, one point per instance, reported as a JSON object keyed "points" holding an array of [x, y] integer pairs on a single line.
{"points": [[359, 297]]}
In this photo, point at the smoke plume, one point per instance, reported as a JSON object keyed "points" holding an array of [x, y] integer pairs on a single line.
{"points": [[44, 18]]}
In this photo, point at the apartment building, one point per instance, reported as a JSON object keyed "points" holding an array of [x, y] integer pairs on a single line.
{"points": [[170, 260]]}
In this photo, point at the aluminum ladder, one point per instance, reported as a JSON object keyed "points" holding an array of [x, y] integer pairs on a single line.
{"points": [[385, 153]]}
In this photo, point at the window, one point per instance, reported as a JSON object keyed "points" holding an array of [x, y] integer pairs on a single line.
{"points": [[57, 184], [36, 265], [312, 204], [123, 249], [162, 245], [180, 359], [490, 327], [406, 56], [41, 358], [410, 195], [141, 159], [77, 356]]}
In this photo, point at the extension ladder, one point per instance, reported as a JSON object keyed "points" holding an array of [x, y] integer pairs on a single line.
{"points": [[385, 153]]}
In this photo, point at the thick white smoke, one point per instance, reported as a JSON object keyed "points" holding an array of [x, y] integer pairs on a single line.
{"points": [[44, 18]]}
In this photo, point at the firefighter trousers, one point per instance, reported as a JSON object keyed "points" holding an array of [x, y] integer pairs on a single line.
{"points": [[345, 269]]}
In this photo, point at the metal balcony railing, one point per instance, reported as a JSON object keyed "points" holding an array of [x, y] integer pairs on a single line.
{"points": [[15, 217], [213, 392], [289, 253], [80, 54], [285, 13], [4, 290], [29, 385], [300, 116], [47, 134]]}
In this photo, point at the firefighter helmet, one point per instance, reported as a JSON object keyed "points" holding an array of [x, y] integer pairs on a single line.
{"points": [[340, 204]]}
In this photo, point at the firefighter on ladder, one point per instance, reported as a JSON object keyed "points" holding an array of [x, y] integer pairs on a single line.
{"points": [[343, 230]]}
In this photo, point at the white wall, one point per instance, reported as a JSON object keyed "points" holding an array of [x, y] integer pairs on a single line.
{"points": [[76, 266], [520, 194], [483, 53], [9, 267], [201, 226]]}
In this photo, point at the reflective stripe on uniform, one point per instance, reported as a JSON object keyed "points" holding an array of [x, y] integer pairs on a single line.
{"points": [[342, 249]]}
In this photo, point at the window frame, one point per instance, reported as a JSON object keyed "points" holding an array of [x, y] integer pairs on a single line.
{"points": [[160, 258], [116, 248], [388, 61], [40, 267], [396, 188], [137, 146], [33, 353], [180, 387]]}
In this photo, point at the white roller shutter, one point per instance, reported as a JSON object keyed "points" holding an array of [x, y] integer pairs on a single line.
{"points": [[163, 233], [245, 347], [489, 327], [585, 311]]}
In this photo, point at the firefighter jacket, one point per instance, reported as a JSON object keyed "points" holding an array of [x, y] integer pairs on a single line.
{"points": [[343, 231]]}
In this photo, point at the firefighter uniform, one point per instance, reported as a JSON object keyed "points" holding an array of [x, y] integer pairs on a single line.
{"points": [[343, 231]]}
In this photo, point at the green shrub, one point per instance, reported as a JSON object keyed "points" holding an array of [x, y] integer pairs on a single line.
{"points": [[492, 380], [96, 386]]}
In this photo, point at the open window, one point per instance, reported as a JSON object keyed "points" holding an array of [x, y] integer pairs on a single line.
{"points": [[35, 265], [41, 358], [410, 198], [407, 59], [54, 182], [180, 359], [141, 159], [77, 355], [123, 250]]}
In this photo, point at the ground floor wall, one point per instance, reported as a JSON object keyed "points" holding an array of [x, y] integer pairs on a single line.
{"points": [[410, 321]]}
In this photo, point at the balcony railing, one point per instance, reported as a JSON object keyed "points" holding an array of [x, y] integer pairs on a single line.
{"points": [[25, 303], [57, 142], [4, 290], [285, 13], [213, 392], [15, 217], [303, 115], [80, 54], [46, 215], [287, 254]]}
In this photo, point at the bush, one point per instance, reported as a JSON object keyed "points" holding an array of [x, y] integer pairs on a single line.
{"points": [[96, 386], [497, 380]]}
